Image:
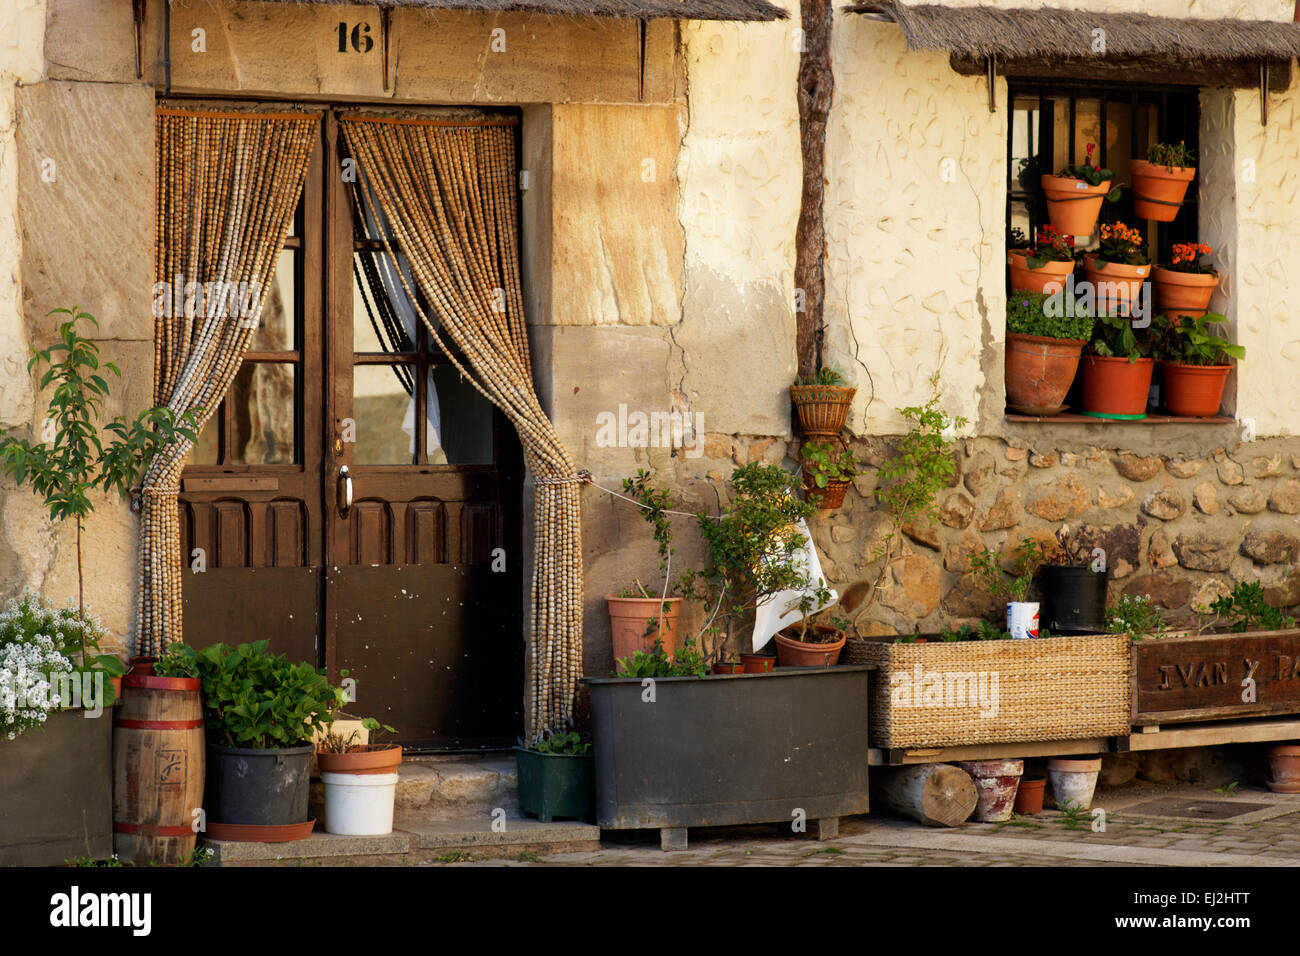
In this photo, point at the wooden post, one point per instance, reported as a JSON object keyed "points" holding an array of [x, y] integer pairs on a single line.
{"points": [[816, 86], [936, 794]]}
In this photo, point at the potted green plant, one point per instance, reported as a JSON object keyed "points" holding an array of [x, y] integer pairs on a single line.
{"points": [[556, 777], [919, 465], [810, 643], [1118, 269], [1044, 337], [1137, 616], [1185, 286], [986, 566], [1045, 266], [1195, 363], [359, 779], [1160, 181], [1073, 587], [1075, 194], [1116, 368], [826, 475], [639, 617], [822, 402], [262, 714]]}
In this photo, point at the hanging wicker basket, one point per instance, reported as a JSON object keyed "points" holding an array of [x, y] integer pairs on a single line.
{"points": [[823, 409], [832, 496]]}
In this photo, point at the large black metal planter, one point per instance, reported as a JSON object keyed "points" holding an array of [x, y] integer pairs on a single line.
{"points": [[722, 750], [56, 791]]}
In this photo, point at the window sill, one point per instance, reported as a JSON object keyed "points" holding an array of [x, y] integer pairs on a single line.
{"points": [[1075, 419]]}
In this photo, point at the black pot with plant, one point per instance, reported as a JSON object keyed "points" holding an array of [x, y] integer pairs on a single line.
{"points": [[557, 777], [1073, 584]]}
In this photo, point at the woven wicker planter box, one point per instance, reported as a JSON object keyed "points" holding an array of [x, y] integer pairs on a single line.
{"points": [[979, 692]]}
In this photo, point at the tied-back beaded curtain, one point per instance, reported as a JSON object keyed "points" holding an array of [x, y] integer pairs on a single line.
{"points": [[227, 188], [447, 196]]}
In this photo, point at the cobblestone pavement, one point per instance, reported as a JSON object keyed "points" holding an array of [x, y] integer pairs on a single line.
{"points": [[1269, 837]]}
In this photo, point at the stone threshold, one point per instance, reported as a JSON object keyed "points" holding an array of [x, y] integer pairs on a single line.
{"points": [[413, 842]]}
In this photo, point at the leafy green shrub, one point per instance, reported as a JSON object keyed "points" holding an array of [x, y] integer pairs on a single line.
{"points": [[1246, 610], [255, 699], [825, 376], [569, 745], [823, 466], [1188, 340], [1030, 313], [986, 566], [1136, 616], [656, 663], [1170, 155], [179, 661]]}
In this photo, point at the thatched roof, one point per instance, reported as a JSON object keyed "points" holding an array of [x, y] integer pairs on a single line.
{"points": [[1017, 34], [753, 10]]}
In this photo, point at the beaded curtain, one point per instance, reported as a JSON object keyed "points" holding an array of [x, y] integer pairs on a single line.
{"points": [[447, 193], [227, 188]]}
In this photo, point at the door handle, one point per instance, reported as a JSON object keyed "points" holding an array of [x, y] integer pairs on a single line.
{"points": [[344, 491]]}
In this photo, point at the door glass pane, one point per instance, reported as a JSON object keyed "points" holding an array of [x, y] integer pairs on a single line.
{"points": [[462, 420], [275, 333], [205, 450], [262, 402], [383, 406], [382, 317]]}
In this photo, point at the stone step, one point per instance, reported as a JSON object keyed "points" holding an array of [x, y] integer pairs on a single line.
{"points": [[457, 787]]}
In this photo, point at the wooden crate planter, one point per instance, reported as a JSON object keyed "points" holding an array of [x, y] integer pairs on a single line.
{"points": [[723, 750], [1204, 677], [56, 795], [1058, 688]]}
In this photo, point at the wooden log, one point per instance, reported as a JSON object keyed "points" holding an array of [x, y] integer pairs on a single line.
{"points": [[936, 794]]}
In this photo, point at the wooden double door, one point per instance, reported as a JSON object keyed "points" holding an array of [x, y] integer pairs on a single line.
{"points": [[354, 500]]}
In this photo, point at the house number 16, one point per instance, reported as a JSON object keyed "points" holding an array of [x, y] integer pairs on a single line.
{"points": [[361, 41]]}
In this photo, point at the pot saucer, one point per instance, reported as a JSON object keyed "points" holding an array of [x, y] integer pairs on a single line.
{"points": [[1283, 787], [258, 833], [1041, 411]]}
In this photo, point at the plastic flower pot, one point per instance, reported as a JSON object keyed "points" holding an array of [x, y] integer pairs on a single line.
{"points": [[1115, 283], [728, 667], [1072, 204], [556, 785], [1114, 387], [1074, 780], [1194, 391], [1022, 619], [995, 787], [1039, 370], [1158, 191], [1183, 293], [1049, 277], [1074, 599], [359, 804], [1284, 761], [634, 624], [260, 786], [792, 652], [1029, 795], [757, 663], [364, 761]]}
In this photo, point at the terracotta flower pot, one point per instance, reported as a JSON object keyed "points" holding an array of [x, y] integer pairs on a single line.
{"points": [[1194, 391], [1116, 387], [995, 787], [631, 627], [1183, 293], [1284, 761], [1074, 780], [1114, 283], [795, 653], [1040, 369], [382, 759], [757, 663], [1072, 204], [728, 667], [1050, 277], [832, 496], [1029, 795], [1158, 191]]}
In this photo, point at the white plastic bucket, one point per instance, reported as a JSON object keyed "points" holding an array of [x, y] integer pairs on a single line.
{"points": [[1022, 619], [359, 804]]}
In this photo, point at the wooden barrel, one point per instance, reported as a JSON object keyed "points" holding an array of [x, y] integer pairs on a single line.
{"points": [[157, 769]]}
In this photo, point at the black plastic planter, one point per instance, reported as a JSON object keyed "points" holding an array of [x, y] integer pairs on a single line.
{"points": [[556, 785], [684, 752], [1074, 600], [264, 787]]}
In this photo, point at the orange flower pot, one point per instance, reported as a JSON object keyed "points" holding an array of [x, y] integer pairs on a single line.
{"points": [[1114, 282], [1072, 204], [634, 624], [795, 653], [1183, 293], [1194, 391], [1115, 386], [1158, 191], [1025, 279], [1039, 369], [382, 759]]}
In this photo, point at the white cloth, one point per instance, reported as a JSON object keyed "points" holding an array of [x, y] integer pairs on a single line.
{"points": [[781, 609]]}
